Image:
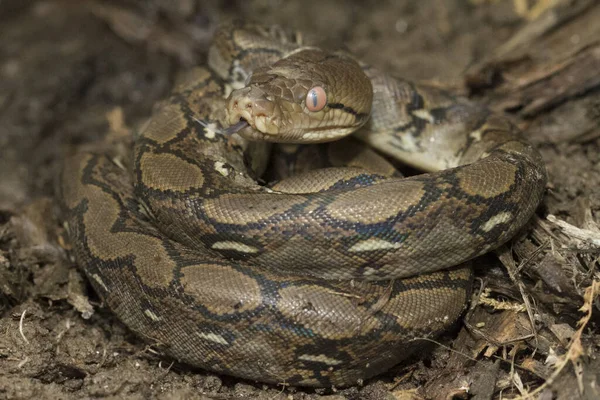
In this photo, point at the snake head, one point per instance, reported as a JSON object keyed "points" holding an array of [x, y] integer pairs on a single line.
{"points": [[308, 96]]}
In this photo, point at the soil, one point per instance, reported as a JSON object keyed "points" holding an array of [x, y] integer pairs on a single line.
{"points": [[72, 71]]}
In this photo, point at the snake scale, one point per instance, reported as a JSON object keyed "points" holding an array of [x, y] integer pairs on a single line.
{"points": [[329, 276]]}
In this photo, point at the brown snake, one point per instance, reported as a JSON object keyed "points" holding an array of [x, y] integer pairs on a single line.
{"points": [[327, 277]]}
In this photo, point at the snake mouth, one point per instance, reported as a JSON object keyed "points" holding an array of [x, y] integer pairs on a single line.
{"points": [[254, 128], [260, 113], [246, 120], [235, 128]]}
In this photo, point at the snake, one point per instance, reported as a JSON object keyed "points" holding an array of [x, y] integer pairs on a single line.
{"points": [[324, 276]]}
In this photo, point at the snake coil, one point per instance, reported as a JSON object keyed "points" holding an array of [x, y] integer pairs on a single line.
{"points": [[327, 277]]}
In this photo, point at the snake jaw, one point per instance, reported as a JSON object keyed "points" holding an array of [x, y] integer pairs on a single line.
{"points": [[250, 104]]}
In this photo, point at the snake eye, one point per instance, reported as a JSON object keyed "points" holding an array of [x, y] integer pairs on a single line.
{"points": [[316, 99]]}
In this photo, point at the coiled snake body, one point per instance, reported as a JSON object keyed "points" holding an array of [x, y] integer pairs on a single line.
{"points": [[327, 277]]}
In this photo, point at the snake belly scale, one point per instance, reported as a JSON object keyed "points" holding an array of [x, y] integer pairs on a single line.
{"points": [[325, 278]]}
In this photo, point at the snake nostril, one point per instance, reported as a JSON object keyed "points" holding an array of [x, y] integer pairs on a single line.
{"points": [[249, 105]]}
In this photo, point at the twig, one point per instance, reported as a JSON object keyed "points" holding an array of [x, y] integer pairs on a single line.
{"points": [[21, 326], [585, 235]]}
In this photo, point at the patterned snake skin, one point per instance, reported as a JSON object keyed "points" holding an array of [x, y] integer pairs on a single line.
{"points": [[327, 277]]}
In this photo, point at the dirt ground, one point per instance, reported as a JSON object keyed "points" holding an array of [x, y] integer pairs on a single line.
{"points": [[72, 70]]}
